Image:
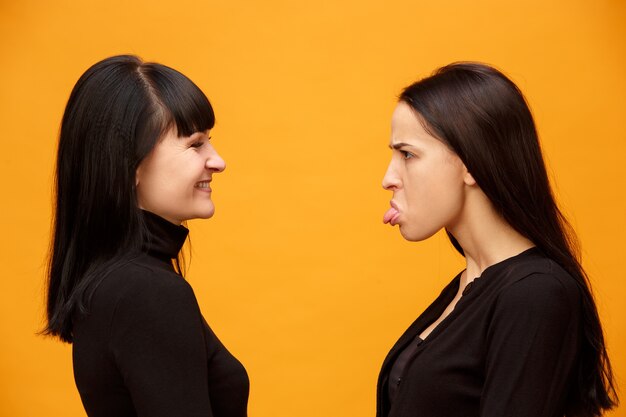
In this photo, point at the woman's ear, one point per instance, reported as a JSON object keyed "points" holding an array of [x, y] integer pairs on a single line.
{"points": [[137, 191], [468, 179]]}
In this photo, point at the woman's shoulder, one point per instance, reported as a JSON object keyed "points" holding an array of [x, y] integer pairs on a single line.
{"points": [[147, 303], [537, 281], [536, 270], [141, 278], [136, 292]]}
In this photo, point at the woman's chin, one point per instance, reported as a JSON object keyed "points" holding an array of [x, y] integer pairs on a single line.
{"points": [[205, 212], [413, 235]]}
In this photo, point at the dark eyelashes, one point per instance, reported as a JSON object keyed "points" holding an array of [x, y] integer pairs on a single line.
{"points": [[198, 144]]}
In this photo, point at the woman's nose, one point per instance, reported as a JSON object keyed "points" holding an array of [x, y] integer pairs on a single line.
{"points": [[391, 181], [215, 162]]}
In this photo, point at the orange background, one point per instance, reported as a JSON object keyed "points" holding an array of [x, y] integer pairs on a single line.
{"points": [[296, 273]]}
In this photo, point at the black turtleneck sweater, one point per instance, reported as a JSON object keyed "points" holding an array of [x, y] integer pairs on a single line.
{"points": [[144, 348]]}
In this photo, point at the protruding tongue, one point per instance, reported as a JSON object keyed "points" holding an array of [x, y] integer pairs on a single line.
{"points": [[390, 215]]}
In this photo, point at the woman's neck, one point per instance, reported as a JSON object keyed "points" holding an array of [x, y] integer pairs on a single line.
{"points": [[486, 238]]}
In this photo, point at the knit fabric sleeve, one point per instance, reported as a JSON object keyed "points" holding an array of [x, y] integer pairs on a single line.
{"points": [[532, 342], [157, 342]]}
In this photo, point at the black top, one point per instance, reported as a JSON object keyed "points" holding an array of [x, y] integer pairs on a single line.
{"points": [[144, 349], [507, 349], [402, 360]]}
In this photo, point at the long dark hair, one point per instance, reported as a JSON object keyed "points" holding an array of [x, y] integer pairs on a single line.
{"points": [[484, 118], [116, 113]]}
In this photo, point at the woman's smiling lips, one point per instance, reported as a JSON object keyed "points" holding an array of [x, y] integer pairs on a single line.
{"points": [[203, 186], [391, 216]]}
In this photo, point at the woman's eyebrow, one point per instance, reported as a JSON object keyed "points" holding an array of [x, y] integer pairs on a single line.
{"points": [[398, 145], [195, 136]]}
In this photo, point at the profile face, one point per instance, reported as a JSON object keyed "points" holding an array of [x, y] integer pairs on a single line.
{"points": [[427, 179], [174, 180]]}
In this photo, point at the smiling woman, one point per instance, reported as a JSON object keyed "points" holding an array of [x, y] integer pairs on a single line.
{"points": [[134, 161], [174, 179]]}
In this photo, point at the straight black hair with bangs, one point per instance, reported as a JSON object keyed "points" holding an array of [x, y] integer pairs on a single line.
{"points": [[116, 113], [484, 118]]}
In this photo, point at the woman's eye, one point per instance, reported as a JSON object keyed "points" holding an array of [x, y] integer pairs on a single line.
{"points": [[406, 154], [197, 144]]}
